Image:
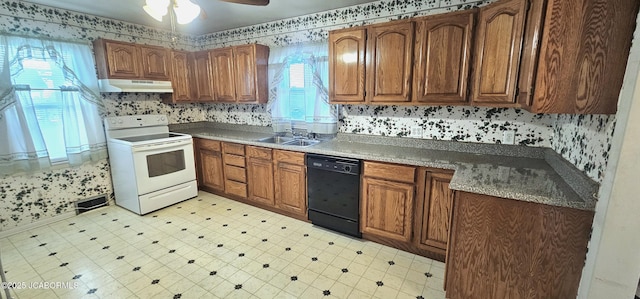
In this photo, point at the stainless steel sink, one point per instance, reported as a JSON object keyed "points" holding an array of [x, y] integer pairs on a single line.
{"points": [[276, 139], [302, 142]]}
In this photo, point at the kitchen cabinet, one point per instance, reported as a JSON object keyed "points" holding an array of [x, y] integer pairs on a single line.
{"points": [[260, 175], [209, 164], [497, 54], [390, 51], [371, 64], [407, 207], [290, 182], [387, 198], [502, 248], [443, 57], [203, 86], [122, 60], [240, 73], [235, 174], [575, 54], [433, 210], [347, 65], [181, 77]]}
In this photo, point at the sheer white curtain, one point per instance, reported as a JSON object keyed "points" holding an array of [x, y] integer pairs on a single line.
{"points": [[319, 116], [21, 139]]}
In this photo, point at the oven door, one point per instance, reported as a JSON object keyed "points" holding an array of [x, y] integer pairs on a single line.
{"points": [[162, 165]]}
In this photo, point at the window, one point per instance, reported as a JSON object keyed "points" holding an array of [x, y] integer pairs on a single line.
{"points": [[299, 77], [45, 78]]}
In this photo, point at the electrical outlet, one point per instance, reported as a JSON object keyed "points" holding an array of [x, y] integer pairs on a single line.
{"points": [[509, 137], [416, 132]]}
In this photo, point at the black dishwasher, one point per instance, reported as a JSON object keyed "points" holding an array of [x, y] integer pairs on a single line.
{"points": [[333, 188]]}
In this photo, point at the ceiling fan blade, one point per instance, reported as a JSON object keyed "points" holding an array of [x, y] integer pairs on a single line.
{"points": [[249, 2]]}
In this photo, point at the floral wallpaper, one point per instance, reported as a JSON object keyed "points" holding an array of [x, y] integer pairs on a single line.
{"points": [[582, 140]]}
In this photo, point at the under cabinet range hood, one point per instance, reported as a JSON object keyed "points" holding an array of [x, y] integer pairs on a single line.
{"points": [[126, 85]]}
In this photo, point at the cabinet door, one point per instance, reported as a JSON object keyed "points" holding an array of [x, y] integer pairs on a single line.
{"points": [[498, 48], [123, 60], [180, 76], [389, 59], [347, 65], [202, 71], [443, 56], [210, 165], [245, 73], [260, 181], [224, 87], [434, 212], [387, 209], [291, 186], [155, 63]]}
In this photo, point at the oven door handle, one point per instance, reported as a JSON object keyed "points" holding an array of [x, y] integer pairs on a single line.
{"points": [[164, 145]]}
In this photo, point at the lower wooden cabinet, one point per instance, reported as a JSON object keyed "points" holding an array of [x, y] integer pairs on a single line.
{"points": [[260, 175], [406, 207], [502, 248], [433, 210], [290, 182], [209, 164]]}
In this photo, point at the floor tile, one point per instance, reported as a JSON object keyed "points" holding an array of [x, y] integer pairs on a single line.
{"points": [[207, 248]]}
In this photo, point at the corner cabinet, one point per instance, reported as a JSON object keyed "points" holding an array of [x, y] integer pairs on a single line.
{"points": [[503, 248], [240, 73], [575, 55], [433, 210], [498, 48], [347, 65], [442, 58]]}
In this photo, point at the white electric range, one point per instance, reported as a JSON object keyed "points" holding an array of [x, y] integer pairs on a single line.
{"points": [[151, 168]]}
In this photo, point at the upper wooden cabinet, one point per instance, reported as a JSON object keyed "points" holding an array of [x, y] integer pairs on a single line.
{"points": [[390, 51], [347, 65], [122, 60], [156, 63], [498, 48], [575, 55], [181, 77], [203, 81], [240, 73], [442, 58]]}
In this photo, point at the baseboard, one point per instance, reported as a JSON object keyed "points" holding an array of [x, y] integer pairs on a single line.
{"points": [[26, 227]]}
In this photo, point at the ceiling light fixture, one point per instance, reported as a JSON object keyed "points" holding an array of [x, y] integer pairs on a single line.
{"points": [[185, 11]]}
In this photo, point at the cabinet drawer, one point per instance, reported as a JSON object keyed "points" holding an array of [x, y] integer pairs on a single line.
{"points": [[289, 157], [236, 160], [392, 172], [235, 173], [233, 148], [235, 188], [259, 152], [207, 144]]}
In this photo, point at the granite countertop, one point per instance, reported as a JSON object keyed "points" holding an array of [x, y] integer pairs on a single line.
{"points": [[522, 173]]}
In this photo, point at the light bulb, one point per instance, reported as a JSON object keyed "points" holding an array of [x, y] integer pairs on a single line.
{"points": [[186, 11], [156, 8]]}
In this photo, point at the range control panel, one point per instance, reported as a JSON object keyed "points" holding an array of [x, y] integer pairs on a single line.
{"points": [[135, 121]]}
